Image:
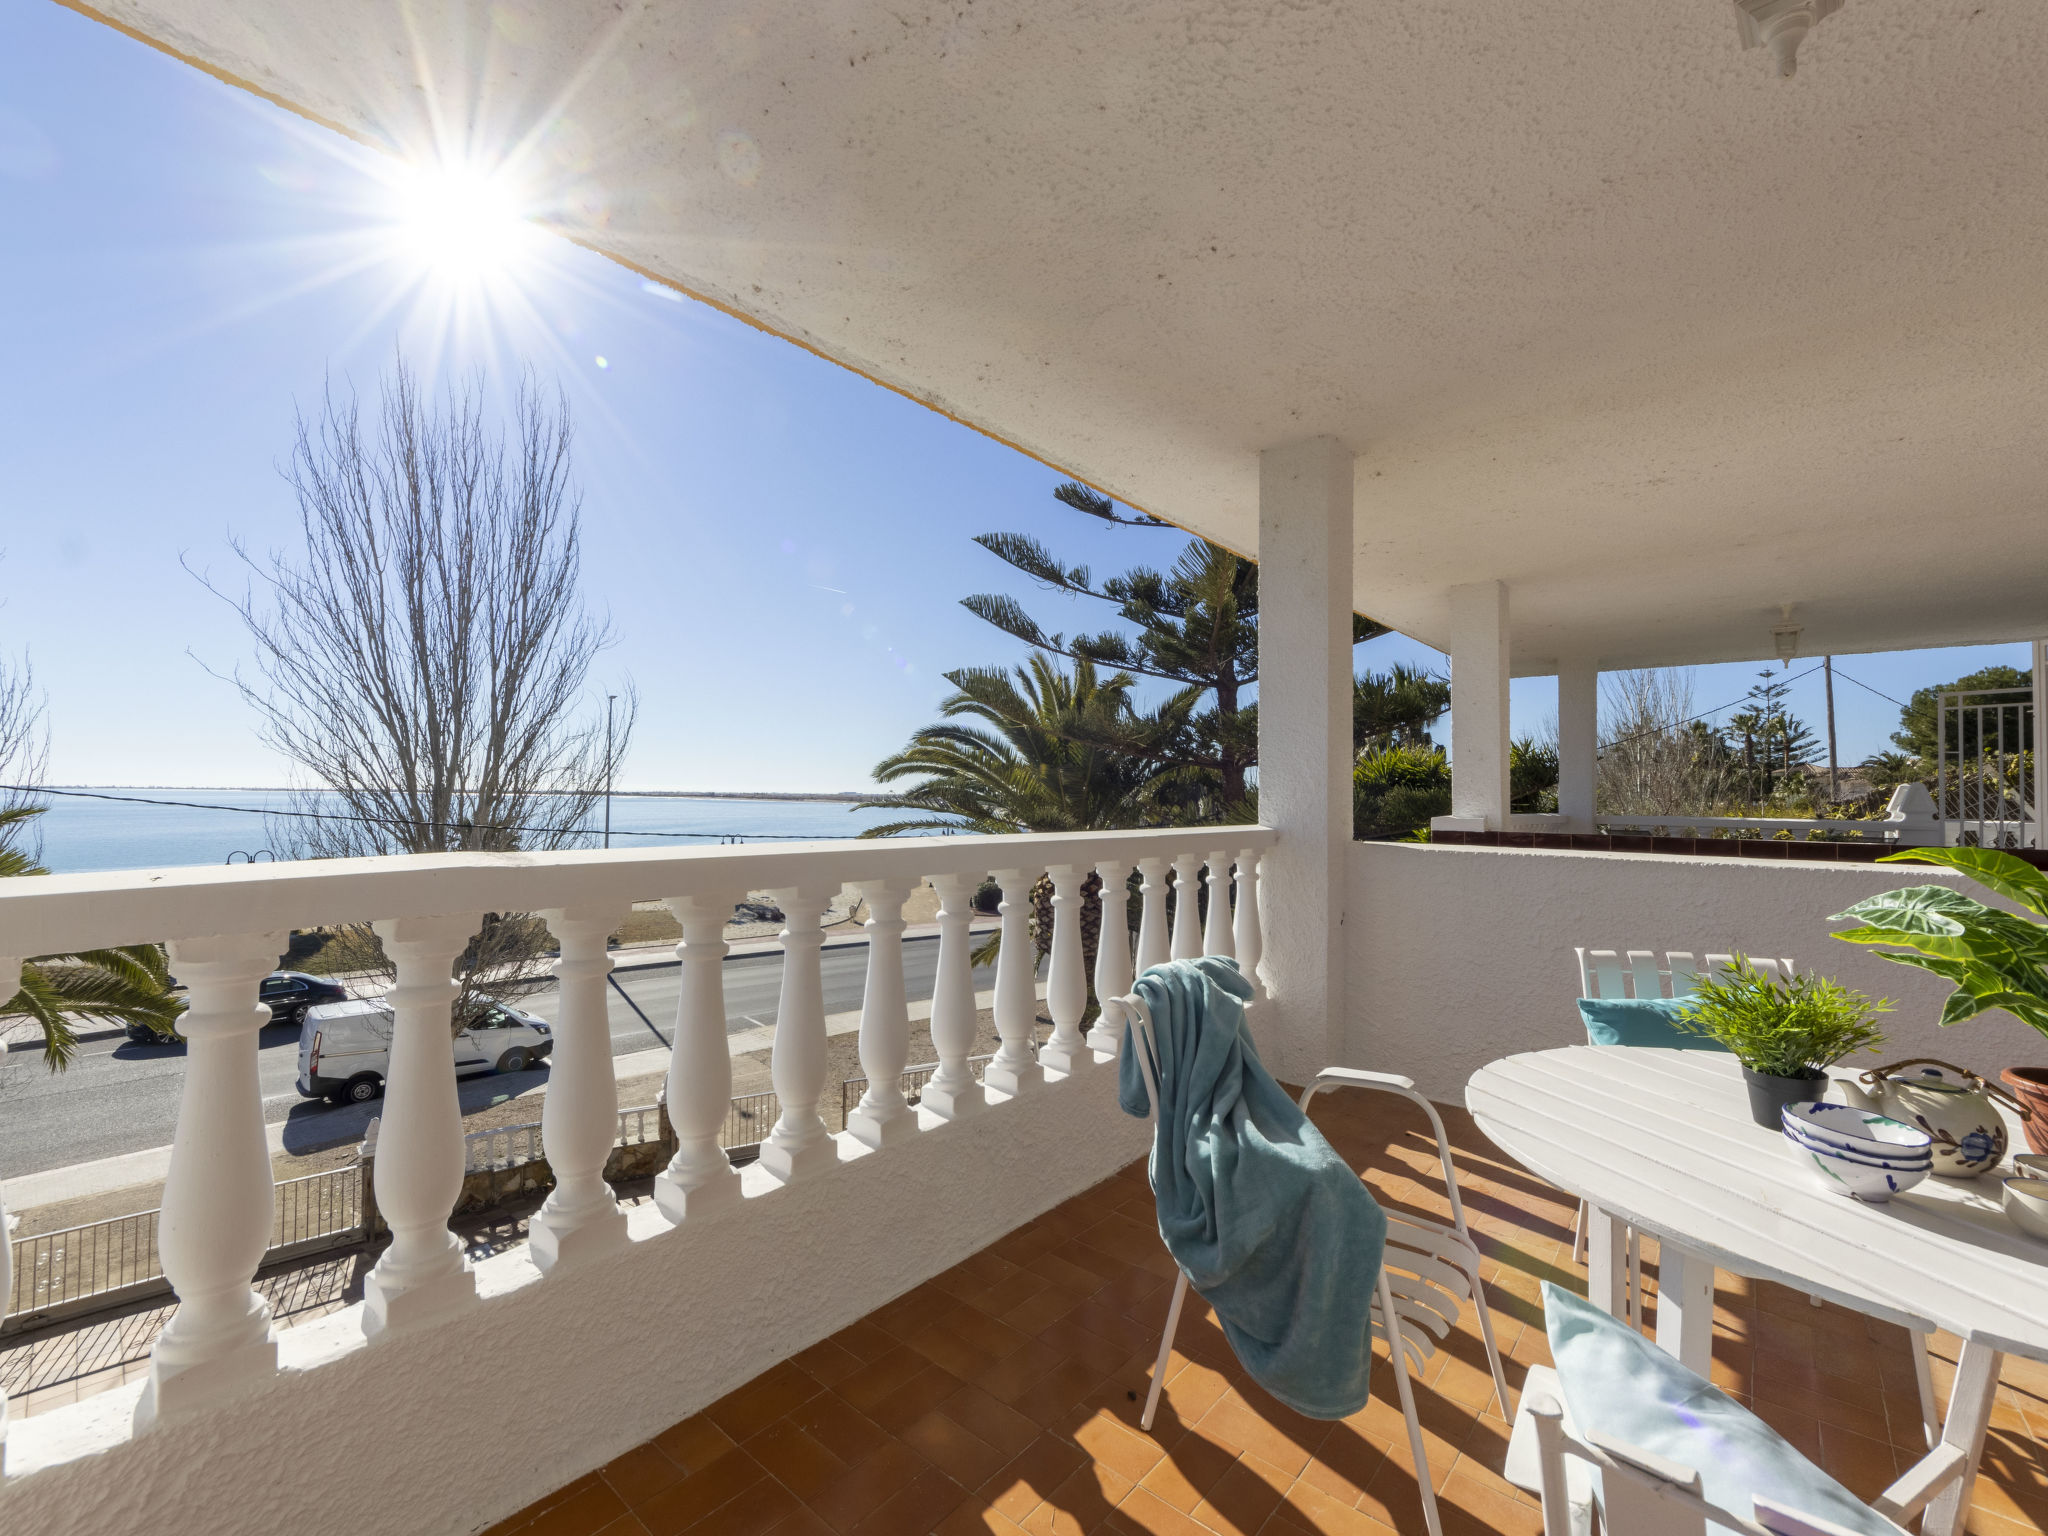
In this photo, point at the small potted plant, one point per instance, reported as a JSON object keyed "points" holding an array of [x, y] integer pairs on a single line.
{"points": [[1786, 1034], [1996, 959]]}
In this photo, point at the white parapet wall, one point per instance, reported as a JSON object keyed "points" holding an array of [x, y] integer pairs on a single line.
{"points": [[455, 1425], [1463, 955]]}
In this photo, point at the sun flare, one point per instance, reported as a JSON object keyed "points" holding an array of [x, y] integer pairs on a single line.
{"points": [[460, 222]]}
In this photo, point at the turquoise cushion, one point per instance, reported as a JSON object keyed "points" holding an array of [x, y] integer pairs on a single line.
{"points": [[1617, 1382], [1641, 1021]]}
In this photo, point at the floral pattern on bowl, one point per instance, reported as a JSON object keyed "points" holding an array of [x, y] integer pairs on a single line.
{"points": [[1899, 1160], [1857, 1130]]}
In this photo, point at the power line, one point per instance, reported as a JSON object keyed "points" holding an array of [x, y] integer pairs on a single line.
{"points": [[377, 821], [1845, 677], [1659, 730]]}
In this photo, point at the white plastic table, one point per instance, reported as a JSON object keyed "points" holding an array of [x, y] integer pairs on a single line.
{"points": [[1662, 1141]]}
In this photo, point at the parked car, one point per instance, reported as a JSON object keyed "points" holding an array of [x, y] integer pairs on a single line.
{"points": [[345, 1047], [288, 993]]}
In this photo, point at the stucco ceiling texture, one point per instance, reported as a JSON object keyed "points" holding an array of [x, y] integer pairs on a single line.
{"points": [[1607, 310]]}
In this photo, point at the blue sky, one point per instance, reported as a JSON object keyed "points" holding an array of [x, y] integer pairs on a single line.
{"points": [[780, 545]]}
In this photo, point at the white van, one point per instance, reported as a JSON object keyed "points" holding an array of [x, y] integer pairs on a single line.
{"points": [[345, 1048]]}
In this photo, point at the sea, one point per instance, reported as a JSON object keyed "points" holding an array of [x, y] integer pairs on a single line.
{"points": [[160, 828]]}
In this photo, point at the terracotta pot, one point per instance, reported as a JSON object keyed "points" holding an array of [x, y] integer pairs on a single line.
{"points": [[2030, 1086]]}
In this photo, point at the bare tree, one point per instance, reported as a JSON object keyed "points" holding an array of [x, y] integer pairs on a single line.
{"points": [[423, 664], [1655, 758], [24, 758]]}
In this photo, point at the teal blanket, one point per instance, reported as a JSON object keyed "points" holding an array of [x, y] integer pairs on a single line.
{"points": [[1273, 1228]]}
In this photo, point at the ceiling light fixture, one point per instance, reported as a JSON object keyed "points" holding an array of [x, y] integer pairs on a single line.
{"points": [[1781, 26]]}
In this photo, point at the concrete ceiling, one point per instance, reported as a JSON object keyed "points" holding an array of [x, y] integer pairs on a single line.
{"points": [[1607, 310]]}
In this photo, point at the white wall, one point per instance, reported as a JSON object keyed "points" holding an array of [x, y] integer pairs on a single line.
{"points": [[452, 1428], [1463, 955]]}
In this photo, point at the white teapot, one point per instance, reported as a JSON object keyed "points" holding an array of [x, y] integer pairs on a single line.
{"points": [[1952, 1104]]}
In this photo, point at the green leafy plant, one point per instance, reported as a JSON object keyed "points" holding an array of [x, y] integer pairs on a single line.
{"points": [[1996, 959], [1789, 1028]]}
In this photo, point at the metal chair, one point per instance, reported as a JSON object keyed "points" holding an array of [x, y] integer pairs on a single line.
{"points": [[1428, 1271]]}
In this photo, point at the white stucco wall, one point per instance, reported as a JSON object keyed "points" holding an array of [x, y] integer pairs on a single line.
{"points": [[451, 1428], [1463, 955]]}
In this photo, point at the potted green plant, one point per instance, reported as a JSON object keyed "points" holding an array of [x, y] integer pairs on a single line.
{"points": [[1996, 959], [1786, 1034]]}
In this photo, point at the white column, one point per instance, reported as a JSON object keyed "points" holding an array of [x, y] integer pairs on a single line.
{"points": [[800, 1146], [1187, 906], [1112, 957], [1154, 948], [579, 1117], [884, 1117], [1015, 1070], [1578, 742], [1245, 932], [2040, 744], [219, 1201], [1066, 982], [424, 1273], [699, 1180], [1216, 927], [953, 1094], [1305, 694], [10, 983], [1479, 704]]}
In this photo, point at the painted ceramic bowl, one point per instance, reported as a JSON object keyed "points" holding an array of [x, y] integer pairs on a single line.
{"points": [[1901, 1159], [1857, 1130], [2029, 1165], [2026, 1204], [1863, 1181]]}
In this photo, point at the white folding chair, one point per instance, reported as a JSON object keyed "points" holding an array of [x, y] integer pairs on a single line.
{"points": [[1642, 1494], [1427, 1271]]}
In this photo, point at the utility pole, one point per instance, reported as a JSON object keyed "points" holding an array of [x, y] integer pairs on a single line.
{"points": [[1827, 667], [608, 759]]}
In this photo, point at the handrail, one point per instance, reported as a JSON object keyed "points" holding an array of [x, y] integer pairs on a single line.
{"points": [[62, 914]]}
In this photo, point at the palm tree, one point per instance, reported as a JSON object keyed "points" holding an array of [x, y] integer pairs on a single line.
{"points": [[1057, 752], [126, 985]]}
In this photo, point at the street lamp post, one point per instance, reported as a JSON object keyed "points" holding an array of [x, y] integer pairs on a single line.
{"points": [[608, 768]]}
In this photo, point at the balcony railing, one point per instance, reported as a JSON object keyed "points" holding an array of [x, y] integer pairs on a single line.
{"points": [[227, 926]]}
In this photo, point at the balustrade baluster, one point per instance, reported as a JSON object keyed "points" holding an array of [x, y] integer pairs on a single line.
{"points": [[883, 1116], [1014, 1069], [579, 1118], [953, 1093], [1187, 906], [1250, 941], [10, 983], [800, 1146], [1154, 947], [424, 1273], [1216, 930], [218, 1201], [1066, 987], [1112, 957], [700, 1178]]}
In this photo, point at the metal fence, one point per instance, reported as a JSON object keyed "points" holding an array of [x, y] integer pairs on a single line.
{"points": [[1984, 767], [748, 1122], [52, 1270], [320, 1210]]}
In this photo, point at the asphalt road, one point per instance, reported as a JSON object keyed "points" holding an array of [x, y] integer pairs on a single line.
{"points": [[118, 1098]]}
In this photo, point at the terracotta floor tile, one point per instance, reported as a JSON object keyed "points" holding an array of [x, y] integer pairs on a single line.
{"points": [[1142, 1514], [694, 1443], [918, 1506], [954, 1449], [794, 1458], [640, 1474], [914, 1399], [1023, 1483], [761, 1401], [878, 1378], [584, 1513], [678, 1508], [754, 1512], [995, 1422], [1307, 1508], [1081, 1505], [801, 1521], [1243, 1498], [1239, 1425], [1128, 1452], [858, 1492], [827, 1362], [975, 1519], [840, 1427], [1187, 1471]]}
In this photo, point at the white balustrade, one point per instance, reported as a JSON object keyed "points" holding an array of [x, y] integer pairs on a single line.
{"points": [[218, 1193], [1112, 957], [424, 1273], [1248, 939], [1187, 907], [580, 1115], [1216, 930], [1066, 987], [952, 1093], [1014, 1068], [800, 1147], [883, 1116], [1154, 948], [699, 1179]]}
